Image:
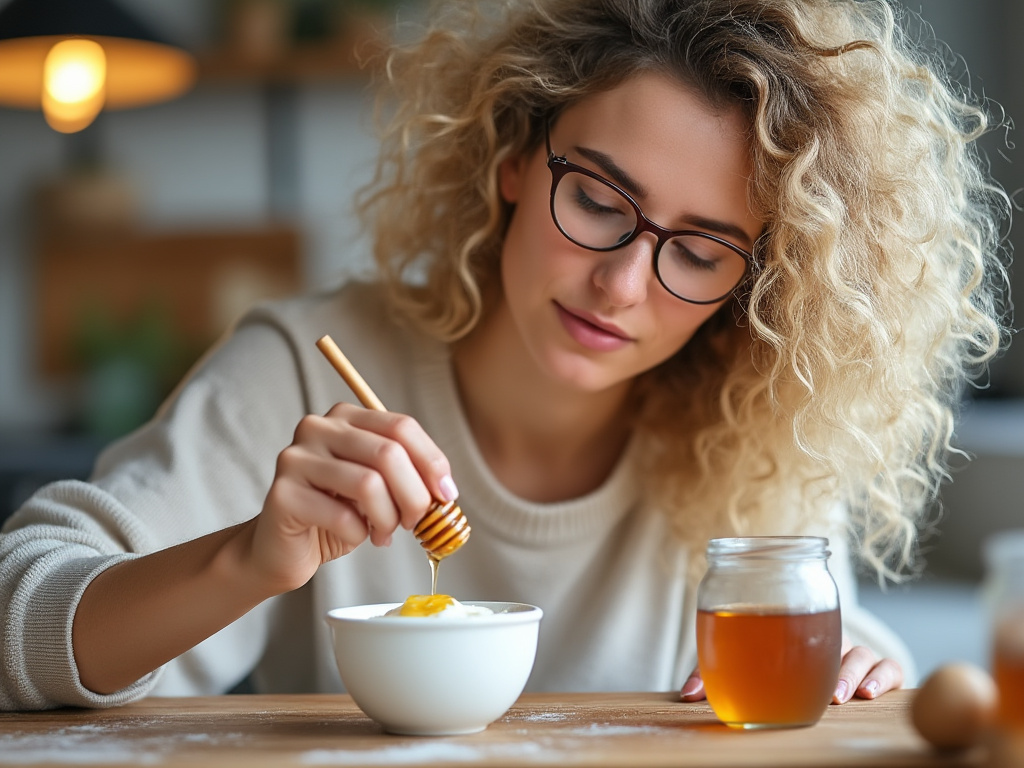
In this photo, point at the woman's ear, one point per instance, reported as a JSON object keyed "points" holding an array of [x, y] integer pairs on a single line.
{"points": [[510, 178]]}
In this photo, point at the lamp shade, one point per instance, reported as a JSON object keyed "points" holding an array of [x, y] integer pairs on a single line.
{"points": [[138, 66]]}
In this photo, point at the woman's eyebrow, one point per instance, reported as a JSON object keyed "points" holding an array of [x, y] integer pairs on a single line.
{"points": [[638, 191], [730, 231], [612, 169]]}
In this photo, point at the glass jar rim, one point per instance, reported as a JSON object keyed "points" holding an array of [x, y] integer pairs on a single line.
{"points": [[769, 548]]}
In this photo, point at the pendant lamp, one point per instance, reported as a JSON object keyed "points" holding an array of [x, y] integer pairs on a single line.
{"points": [[73, 58]]}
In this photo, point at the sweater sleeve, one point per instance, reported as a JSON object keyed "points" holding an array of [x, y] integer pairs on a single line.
{"points": [[203, 463], [46, 561]]}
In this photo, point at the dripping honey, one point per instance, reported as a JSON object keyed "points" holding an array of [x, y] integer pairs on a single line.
{"points": [[434, 565], [769, 668]]}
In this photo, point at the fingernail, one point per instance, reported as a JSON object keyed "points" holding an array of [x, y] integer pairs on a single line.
{"points": [[842, 690], [387, 541], [870, 688], [692, 686], [448, 490]]}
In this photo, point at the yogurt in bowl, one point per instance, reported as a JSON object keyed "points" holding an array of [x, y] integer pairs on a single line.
{"points": [[453, 668]]}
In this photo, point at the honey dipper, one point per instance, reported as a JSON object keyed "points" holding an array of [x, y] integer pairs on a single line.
{"points": [[444, 528]]}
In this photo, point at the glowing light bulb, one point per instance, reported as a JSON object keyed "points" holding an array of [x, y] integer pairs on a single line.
{"points": [[74, 84]]}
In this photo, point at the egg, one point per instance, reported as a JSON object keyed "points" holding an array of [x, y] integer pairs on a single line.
{"points": [[955, 706]]}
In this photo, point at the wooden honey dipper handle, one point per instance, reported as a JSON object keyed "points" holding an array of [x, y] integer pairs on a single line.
{"points": [[349, 373], [444, 527]]}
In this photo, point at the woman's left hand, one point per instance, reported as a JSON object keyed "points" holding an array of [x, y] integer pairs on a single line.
{"points": [[861, 674], [864, 675]]}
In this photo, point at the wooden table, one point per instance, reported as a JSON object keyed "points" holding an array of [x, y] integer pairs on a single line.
{"points": [[628, 729]]}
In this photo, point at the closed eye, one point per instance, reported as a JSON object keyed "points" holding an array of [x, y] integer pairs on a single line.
{"points": [[687, 256], [593, 197]]}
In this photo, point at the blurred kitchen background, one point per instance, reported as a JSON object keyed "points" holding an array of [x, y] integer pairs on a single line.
{"points": [[127, 247]]}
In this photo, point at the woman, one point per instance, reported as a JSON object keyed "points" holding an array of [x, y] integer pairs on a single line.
{"points": [[651, 271]]}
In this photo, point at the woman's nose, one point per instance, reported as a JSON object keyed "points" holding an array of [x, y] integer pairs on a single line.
{"points": [[623, 274]]}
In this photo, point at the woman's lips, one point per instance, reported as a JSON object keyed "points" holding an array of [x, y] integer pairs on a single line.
{"points": [[587, 331]]}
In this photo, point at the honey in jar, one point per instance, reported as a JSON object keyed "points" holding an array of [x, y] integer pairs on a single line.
{"points": [[769, 635], [1008, 672]]}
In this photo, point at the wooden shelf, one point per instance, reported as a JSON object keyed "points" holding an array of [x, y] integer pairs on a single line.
{"points": [[202, 280], [260, 47], [329, 61]]}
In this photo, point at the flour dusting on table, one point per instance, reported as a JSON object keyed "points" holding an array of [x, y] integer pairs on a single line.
{"points": [[420, 753], [93, 744]]}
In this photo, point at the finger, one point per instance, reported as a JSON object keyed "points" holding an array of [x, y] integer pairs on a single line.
{"points": [[856, 663], [693, 688], [429, 461], [336, 516], [368, 493], [336, 438], [306, 507], [886, 675], [380, 477], [364, 492]]}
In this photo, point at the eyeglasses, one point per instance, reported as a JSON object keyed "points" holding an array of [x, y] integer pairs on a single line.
{"points": [[595, 214]]}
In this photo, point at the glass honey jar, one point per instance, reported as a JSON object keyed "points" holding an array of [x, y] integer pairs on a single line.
{"points": [[769, 636]]}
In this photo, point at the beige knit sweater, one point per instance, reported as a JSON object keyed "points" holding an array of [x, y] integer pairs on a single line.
{"points": [[619, 613]]}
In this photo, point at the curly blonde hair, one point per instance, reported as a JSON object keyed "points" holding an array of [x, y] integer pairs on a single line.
{"points": [[834, 373]]}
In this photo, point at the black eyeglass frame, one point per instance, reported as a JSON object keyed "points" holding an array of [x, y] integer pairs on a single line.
{"points": [[560, 166]]}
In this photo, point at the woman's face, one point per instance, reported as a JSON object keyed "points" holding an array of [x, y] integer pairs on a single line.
{"points": [[597, 319]]}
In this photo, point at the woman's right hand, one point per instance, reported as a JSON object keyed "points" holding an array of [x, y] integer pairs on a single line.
{"points": [[351, 474]]}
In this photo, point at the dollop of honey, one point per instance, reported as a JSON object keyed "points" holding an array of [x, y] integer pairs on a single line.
{"points": [[425, 605]]}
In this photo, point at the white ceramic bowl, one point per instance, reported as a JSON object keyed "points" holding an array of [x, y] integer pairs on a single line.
{"points": [[433, 676]]}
